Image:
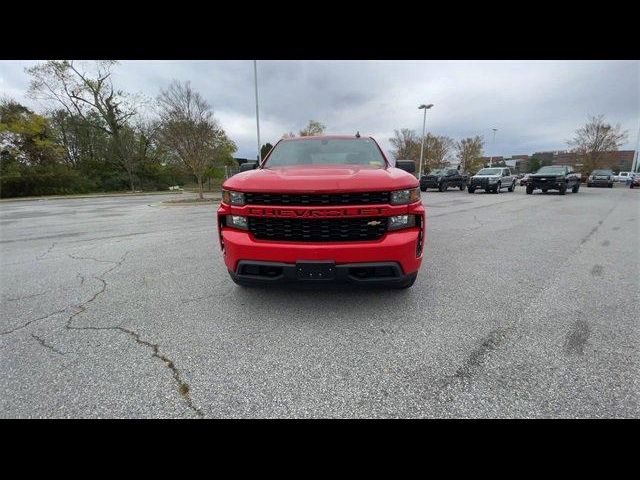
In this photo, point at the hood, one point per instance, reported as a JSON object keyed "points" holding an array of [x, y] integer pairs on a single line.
{"points": [[321, 179], [487, 176]]}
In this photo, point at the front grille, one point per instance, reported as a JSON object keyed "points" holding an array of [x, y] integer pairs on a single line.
{"points": [[356, 198], [317, 230]]}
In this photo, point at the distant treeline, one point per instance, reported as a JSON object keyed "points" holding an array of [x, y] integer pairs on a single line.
{"points": [[91, 137]]}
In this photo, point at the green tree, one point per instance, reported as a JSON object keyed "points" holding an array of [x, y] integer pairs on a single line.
{"points": [[469, 154], [80, 91], [265, 149]]}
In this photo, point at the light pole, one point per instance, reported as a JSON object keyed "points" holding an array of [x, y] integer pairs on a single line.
{"points": [[255, 79], [424, 124], [493, 148], [634, 164]]}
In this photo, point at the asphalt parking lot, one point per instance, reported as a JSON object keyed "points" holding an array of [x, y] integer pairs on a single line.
{"points": [[525, 306]]}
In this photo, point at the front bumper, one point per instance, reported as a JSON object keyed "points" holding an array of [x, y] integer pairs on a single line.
{"points": [[251, 272], [431, 183], [399, 247], [599, 183]]}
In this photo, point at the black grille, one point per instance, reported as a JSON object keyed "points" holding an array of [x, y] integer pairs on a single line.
{"points": [[317, 230], [358, 198]]}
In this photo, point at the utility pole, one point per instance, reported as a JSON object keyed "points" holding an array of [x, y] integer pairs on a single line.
{"points": [[255, 79]]}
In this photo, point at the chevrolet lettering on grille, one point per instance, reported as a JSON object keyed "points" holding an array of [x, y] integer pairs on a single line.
{"points": [[315, 213]]}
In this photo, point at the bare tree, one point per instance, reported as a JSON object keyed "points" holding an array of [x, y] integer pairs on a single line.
{"points": [[81, 93], [469, 154], [406, 144], [438, 150], [189, 132], [593, 140], [313, 128]]}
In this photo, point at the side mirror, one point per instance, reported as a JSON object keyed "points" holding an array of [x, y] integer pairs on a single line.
{"points": [[248, 166], [406, 165]]}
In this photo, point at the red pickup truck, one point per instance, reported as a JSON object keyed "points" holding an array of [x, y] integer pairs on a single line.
{"points": [[323, 209]]}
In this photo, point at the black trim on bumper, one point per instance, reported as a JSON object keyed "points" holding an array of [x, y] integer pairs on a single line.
{"points": [[376, 273]]}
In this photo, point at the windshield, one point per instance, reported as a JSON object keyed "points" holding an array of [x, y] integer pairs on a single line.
{"points": [[490, 171], [551, 169], [326, 151], [438, 172], [602, 172]]}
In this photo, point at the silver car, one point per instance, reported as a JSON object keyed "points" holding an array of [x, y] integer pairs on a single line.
{"points": [[492, 179]]}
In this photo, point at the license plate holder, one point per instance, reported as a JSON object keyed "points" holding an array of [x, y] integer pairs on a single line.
{"points": [[311, 270]]}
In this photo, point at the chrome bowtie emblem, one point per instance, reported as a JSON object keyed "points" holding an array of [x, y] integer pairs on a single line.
{"points": [[373, 223]]}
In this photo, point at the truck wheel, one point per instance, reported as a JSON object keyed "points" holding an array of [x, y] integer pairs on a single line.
{"points": [[575, 188], [510, 189], [611, 185], [471, 189], [563, 189], [423, 189], [443, 186], [497, 189], [461, 186], [529, 190]]}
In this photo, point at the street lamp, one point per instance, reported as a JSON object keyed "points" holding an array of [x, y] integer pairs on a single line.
{"points": [[424, 124], [255, 79], [493, 148]]}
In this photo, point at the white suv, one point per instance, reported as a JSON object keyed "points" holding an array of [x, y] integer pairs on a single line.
{"points": [[623, 177]]}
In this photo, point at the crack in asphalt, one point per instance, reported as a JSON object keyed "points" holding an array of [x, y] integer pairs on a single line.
{"points": [[46, 345], [42, 255], [183, 387], [24, 297], [20, 327]]}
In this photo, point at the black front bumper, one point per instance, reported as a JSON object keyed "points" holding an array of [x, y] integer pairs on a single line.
{"points": [[546, 185], [250, 272], [599, 183], [429, 183]]}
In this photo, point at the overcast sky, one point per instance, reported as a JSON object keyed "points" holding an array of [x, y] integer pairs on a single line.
{"points": [[535, 105]]}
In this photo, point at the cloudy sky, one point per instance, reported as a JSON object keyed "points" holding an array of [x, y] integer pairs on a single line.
{"points": [[535, 105]]}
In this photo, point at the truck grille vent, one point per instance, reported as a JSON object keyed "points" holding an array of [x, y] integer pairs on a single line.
{"points": [[356, 198], [318, 230]]}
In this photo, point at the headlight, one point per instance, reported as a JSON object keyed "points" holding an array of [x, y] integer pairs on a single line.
{"points": [[232, 198], [493, 180], [237, 221], [401, 221], [403, 197]]}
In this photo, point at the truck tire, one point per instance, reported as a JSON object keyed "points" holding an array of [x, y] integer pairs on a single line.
{"points": [[471, 189], [611, 185], [423, 189], [497, 188], [443, 186], [529, 190], [510, 189], [461, 186], [575, 188], [563, 189]]}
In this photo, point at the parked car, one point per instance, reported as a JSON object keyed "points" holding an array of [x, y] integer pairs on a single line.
{"points": [[601, 178], [443, 179], [622, 176], [554, 177], [524, 179], [492, 179], [635, 180]]}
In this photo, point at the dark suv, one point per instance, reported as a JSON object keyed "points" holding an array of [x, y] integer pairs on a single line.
{"points": [[443, 179], [600, 178], [554, 177]]}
